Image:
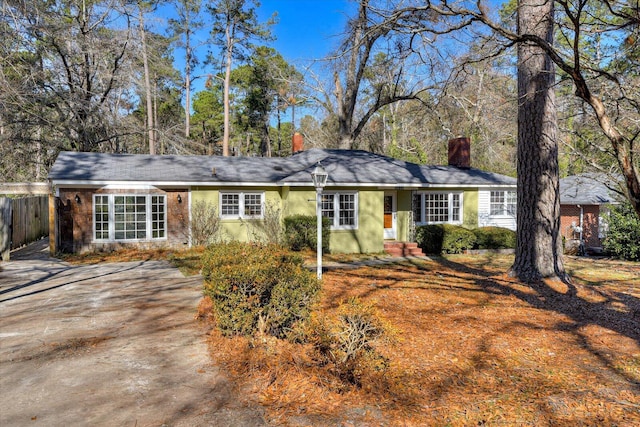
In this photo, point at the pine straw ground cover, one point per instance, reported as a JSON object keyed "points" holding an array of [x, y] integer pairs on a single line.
{"points": [[471, 347]]}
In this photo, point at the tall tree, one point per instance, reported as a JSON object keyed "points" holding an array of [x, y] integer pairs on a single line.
{"points": [[21, 90], [539, 248], [183, 29], [594, 81], [259, 83], [165, 95], [604, 79], [82, 62], [368, 33], [143, 7], [208, 116], [235, 28]]}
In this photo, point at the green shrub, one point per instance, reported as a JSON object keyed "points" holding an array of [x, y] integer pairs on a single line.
{"points": [[258, 288], [301, 232], [429, 238], [457, 239], [494, 238], [623, 237], [444, 238]]}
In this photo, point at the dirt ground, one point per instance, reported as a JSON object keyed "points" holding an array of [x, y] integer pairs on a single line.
{"points": [[108, 344]]}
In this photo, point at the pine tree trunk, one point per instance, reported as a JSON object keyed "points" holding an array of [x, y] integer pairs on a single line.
{"points": [[187, 77], [225, 101], [539, 242], [147, 86]]}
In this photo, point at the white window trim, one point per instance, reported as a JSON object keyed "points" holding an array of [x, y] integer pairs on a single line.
{"points": [[241, 214], [336, 209], [112, 217], [504, 204], [423, 208]]}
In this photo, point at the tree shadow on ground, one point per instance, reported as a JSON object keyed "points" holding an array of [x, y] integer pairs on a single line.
{"points": [[616, 311], [584, 303], [624, 320]]}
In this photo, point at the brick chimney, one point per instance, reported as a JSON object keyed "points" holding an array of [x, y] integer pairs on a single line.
{"points": [[460, 152], [297, 143]]}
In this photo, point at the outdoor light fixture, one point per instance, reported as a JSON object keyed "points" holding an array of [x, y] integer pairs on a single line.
{"points": [[77, 199], [179, 198], [319, 177]]}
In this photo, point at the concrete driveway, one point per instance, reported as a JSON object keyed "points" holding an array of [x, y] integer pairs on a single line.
{"points": [[107, 345]]}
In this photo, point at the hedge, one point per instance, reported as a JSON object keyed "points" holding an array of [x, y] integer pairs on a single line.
{"points": [[444, 238], [454, 239], [494, 238]]}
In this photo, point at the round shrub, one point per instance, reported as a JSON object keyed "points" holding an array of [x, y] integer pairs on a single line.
{"points": [[457, 239], [444, 238], [258, 288], [429, 238], [494, 238], [301, 232]]}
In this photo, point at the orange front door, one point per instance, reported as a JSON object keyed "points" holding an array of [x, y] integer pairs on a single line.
{"points": [[389, 216]]}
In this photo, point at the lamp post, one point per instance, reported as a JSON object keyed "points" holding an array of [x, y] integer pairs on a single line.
{"points": [[319, 177]]}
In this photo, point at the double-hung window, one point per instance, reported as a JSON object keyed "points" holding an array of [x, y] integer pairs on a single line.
{"points": [[341, 208], [437, 207], [121, 217], [503, 203], [236, 205]]}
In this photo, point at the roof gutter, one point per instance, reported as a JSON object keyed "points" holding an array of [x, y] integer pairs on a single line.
{"points": [[176, 184]]}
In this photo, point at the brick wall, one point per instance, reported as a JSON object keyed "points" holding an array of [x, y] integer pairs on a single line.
{"points": [[570, 214], [178, 218], [80, 220]]}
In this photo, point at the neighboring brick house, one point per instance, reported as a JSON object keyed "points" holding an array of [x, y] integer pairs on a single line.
{"points": [[584, 201]]}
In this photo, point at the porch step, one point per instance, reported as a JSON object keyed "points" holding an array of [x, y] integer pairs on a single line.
{"points": [[403, 249]]}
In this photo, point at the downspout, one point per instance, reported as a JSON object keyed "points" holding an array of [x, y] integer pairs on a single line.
{"points": [[54, 233], [581, 219], [581, 250]]}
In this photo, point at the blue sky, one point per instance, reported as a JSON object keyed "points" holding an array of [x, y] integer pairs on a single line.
{"points": [[307, 29]]}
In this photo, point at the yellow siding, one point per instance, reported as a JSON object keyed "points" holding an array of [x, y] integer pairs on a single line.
{"points": [[367, 238], [235, 229], [470, 209]]}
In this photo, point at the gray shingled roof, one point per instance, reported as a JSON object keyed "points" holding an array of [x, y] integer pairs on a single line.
{"points": [[344, 167], [585, 190]]}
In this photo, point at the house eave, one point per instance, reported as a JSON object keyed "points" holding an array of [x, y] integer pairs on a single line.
{"points": [[160, 184], [402, 186], [181, 184]]}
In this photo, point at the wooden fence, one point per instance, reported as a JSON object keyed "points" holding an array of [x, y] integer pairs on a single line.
{"points": [[22, 221], [5, 228]]}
